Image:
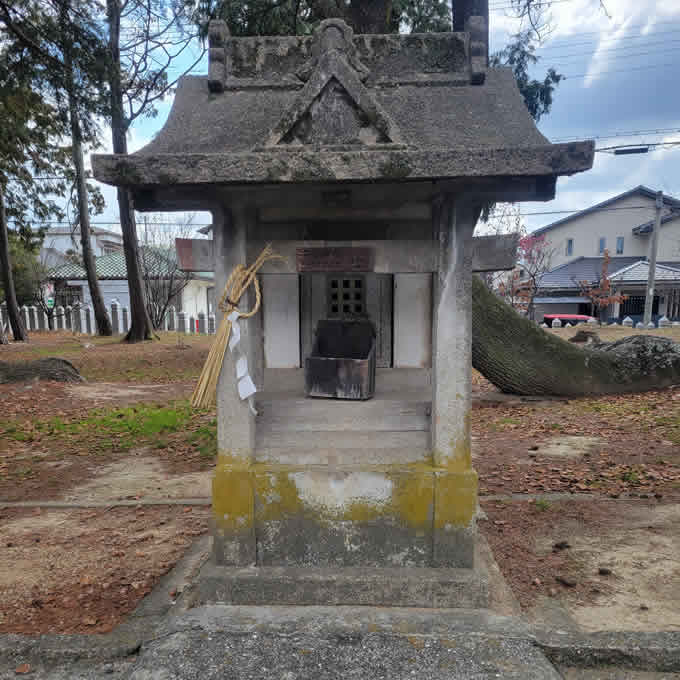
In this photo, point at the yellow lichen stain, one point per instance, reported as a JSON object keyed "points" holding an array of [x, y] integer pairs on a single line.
{"points": [[455, 499], [277, 494], [232, 460], [233, 501], [417, 642], [422, 495]]}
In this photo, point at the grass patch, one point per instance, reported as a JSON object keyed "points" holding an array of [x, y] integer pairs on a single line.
{"points": [[630, 476], [118, 429], [205, 439], [542, 505]]}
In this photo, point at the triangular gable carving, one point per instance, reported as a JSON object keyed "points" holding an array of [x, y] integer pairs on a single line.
{"points": [[335, 107]]}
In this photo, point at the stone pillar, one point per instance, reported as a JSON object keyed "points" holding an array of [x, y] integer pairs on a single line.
{"points": [[114, 317], [181, 322], [87, 325], [201, 323], [170, 316], [25, 317], [68, 317], [33, 315], [3, 315], [233, 483], [455, 493], [192, 324], [126, 320], [211, 324]]}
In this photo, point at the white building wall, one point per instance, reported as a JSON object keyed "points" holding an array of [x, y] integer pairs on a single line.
{"points": [[195, 297], [63, 242], [587, 230], [669, 241], [111, 290]]}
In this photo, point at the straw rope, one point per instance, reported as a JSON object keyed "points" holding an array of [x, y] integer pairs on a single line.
{"points": [[239, 280]]}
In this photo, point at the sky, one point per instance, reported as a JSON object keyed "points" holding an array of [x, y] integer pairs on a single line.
{"points": [[621, 60]]}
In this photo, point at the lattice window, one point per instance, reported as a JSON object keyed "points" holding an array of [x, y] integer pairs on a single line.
{"points": [[346, 297]]}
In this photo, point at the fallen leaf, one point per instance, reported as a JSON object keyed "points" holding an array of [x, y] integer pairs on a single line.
{"points": [[23, 668]]}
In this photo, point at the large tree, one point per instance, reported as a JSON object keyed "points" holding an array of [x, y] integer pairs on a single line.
{"points": [[64, 46], [29, 149], [145, 38]]}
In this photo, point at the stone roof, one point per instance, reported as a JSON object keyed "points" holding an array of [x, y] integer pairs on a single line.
{"points": [[339, 107], [160, 262]]}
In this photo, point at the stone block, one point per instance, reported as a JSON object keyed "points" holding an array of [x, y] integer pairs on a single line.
{"points": [[556, 323], [410, 515], [233, 516], [363, 586]]}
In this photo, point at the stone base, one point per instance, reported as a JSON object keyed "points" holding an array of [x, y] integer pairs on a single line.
{"points": [[390, 515], [365, 586]]}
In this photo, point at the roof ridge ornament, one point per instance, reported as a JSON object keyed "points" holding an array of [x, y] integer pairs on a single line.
{"points": [[334, 99], [333, 35]]}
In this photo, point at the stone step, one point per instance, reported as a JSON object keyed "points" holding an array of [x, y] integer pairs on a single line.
{"points": [[332, 643], [300, 415], [365, 586], [269, 444], [342, 455]]}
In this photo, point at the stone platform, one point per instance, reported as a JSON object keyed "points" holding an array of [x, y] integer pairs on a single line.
{"points": [[332, 483], [324, 643]]}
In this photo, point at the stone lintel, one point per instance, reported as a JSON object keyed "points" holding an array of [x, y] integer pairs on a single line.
{"points": [[287, 166], [490, 253]]}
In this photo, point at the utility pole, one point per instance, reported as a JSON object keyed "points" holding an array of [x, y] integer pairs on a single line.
{"points": [[649, 299]]}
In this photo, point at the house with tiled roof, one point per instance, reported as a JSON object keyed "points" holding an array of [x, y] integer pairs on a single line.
{"points": [[622, 226], [71, 286]]}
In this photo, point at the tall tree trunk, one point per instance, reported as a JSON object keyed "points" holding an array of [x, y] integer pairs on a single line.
{"points": [[99, 308], [18, 330], [464, 9], [101, 318], [364, 16], [140, 322], [520, 358]]}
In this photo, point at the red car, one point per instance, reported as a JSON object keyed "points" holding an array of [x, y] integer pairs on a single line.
{"points": [[571, 318]]}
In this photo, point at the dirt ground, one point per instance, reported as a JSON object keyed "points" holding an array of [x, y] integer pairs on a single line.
{"points": [[82, 571], [128, 434]]}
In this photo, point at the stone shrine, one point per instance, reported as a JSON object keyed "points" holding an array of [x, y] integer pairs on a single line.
{"points": [[365, 160]]}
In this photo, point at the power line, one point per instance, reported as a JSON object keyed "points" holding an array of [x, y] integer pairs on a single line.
{"points": [[642, 26], [596, 43], [547, 3], [624, 70], [613, 135], [643, 146], [618, 49]]}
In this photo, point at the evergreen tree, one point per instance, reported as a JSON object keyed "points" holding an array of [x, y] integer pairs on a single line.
{"points": [[63, 45]]}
